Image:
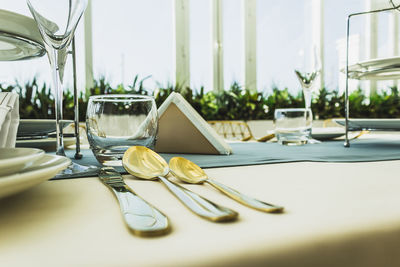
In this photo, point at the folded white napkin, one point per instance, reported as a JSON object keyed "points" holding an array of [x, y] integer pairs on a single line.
{"points": [[9, 119]]}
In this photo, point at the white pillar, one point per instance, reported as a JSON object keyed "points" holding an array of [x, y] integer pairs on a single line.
{"points": [[217, 45], [182, 52], [318, 36], [354, 57], [371, 38], [250, 44], [394, 36], [88, 46]]}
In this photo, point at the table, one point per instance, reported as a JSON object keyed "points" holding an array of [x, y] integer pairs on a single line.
{"points": [[337, 214]]}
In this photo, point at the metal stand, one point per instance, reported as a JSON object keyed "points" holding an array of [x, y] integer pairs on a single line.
{"points": [[347, 141], [78, 155]]}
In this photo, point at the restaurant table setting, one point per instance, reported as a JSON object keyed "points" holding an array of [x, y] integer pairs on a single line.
{"points": [[143, 211], [230, 205], [123, 134], [117, 148]]}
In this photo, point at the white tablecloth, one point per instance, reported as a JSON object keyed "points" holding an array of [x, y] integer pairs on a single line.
{"points": [[337, 214]]}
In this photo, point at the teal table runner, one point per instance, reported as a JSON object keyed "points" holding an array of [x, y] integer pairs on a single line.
{"points": [[253, 153]]}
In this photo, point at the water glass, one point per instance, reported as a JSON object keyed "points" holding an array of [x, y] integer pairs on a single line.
{"points": [[293, 126], [116, 122]]}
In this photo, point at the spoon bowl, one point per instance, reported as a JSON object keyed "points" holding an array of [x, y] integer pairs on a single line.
{"points": [[144, 163], [189, 172]]}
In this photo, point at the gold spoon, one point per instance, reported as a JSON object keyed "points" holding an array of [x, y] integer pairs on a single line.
{"points": [[189, 172], [144, 163]]}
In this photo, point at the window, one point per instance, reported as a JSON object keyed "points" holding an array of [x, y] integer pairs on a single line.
{"points": [[133, 38], [282, 31], [233, 43], [200, 44]]}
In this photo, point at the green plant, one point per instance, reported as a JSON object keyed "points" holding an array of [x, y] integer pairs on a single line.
{"points": [[237, 103]]}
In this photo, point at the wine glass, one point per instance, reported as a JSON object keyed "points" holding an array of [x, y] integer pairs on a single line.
{"points": [[308, 71], [57, 21]]}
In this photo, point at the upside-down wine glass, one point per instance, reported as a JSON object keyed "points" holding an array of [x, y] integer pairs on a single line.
{"points": [[57, 21], [307, 71]]}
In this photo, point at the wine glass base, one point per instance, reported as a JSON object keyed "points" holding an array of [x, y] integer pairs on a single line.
{"points": [[313, 141], [76, 169]]}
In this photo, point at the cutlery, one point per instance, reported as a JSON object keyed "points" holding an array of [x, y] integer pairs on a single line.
{"points": [[142, 218], [144, 163], [189, 172]]}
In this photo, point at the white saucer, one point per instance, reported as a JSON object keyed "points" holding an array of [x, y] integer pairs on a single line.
{"points": [[42, 170], [16, 159], [327, 133]]}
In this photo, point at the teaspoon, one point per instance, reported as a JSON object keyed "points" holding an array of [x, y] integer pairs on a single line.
{"points": [[189, 172], [144, 163]]}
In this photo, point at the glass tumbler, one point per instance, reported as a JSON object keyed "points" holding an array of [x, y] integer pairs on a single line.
{"points": [[293, 125], [116, 122]]}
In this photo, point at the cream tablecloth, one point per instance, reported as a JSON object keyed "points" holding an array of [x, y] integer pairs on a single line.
{"points": [[338, 214]]}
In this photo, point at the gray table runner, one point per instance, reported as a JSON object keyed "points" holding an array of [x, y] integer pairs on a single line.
{"points": [[253, 153]]}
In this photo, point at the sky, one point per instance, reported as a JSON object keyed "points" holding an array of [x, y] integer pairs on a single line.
{"points": [[136, 38]]}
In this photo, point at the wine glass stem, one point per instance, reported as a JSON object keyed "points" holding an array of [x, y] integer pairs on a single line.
{"points": [[307, 98], [54, 61]]}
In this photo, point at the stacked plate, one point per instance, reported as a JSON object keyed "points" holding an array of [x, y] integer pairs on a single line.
{"points": [[22, 168], [375, 69]]}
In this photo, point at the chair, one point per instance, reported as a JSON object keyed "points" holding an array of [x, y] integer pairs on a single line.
{"points": [[232, 130]]}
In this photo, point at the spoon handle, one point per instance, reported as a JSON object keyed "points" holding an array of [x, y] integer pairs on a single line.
{"points": [[245, 200], [198, 204]]}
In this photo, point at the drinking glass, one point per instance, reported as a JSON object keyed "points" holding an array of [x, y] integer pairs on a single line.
{"points": [[116, 122], [307, 71], [293, 125]]}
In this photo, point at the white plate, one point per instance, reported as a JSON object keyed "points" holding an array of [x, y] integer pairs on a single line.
{"points": [[327, 133], [19, 38], [377, 63], [45, 143], [372, 124], [15, 159], [39, 127], [375, 69], [378, 74], [42, 170]]}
